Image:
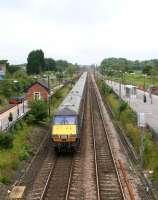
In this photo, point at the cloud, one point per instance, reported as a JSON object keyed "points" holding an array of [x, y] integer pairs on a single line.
{"points": [[81, 31]]}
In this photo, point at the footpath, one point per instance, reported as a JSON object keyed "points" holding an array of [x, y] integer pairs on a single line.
{"points": [[136, 102]]}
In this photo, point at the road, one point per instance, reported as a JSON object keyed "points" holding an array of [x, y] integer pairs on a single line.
{"points": [[150, 108]]}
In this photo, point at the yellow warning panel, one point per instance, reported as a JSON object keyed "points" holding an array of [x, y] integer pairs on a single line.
{"points": [[64, 130]]}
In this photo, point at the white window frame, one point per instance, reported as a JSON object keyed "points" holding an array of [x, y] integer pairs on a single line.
{"points": [[37, 95]]}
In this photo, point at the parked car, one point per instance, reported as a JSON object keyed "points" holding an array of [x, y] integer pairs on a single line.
{"points": [[16, 100]]}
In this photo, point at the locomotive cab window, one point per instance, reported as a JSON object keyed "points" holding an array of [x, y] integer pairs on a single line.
{"points": [[59, 120], [70, 120], [65, 120]]}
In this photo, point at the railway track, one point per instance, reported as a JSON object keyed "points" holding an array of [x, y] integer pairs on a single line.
{"points": [[107, 177], [54, 178], [62, 176]]}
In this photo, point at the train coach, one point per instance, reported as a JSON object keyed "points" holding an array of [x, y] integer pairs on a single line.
{"points": [[67, 121]]}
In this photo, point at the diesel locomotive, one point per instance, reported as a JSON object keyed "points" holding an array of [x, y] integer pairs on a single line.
{"points": [[67, 121]]}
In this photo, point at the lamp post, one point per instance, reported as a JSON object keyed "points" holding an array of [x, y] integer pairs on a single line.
{"points": [[49, 96], [144, 96], [120, 84], [17, 89]]}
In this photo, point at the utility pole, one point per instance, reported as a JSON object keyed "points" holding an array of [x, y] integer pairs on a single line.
{"points": [[144, 97]]}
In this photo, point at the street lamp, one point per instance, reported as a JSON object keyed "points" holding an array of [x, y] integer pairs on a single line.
{"points": [[17, 89], [144, 96], [49, 96], [120, 84]]}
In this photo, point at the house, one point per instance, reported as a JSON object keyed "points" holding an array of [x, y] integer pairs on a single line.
{"points": [[38, 91]]}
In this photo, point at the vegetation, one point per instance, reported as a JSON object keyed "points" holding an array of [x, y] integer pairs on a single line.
{"points": [[117, 64], [14, 84], [19, 148], [50, 64], [14, 149], [128, 121], [136, 79], [35, 62], [38, 111], [6, 140], [131, 72]]}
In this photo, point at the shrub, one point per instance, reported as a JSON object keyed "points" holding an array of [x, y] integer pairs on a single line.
{"points": [[6, 180], [58, 94], [106, 89], [6, 140], [38, 112], [121, 107], [24, 153], [14, 164]]}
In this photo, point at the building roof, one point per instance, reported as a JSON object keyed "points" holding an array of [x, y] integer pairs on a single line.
{"points": [[43, 84]]}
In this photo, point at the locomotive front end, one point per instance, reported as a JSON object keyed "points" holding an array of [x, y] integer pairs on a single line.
{"points": [[65, 131]]}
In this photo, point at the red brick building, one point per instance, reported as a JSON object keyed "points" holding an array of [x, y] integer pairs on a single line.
{"points": [[38, 91]]}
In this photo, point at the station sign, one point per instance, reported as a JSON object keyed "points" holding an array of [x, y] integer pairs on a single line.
{"points": [[141, 120]]}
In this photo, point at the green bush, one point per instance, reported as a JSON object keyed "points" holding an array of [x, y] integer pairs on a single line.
{"points": [[121, 107], [6, 180], [58, 94], [38, 112], [106, 89], [14, 164], [24, 153], [6, 140], [30, 118]]}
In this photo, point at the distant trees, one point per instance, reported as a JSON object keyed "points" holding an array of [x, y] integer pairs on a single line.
{"points": [[35, 62], [122, 64], [71, 69], [147, 70], [61, 65], [13, 68], [50, 64]]}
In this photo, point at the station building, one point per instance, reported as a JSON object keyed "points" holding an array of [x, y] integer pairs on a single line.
{"points": [[38, 91]]}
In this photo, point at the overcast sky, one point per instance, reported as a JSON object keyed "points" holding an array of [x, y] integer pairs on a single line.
{"points": [[82, 31]]}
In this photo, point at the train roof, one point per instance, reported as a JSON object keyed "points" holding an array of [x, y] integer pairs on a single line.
{"points": [[71, 104]]}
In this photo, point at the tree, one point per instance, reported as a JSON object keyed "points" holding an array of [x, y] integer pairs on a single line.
{"points": [[50, 64], [147, 70], [6, 88], [71, 69], [13, 68], [61, 65], [59, 76], [35, 62]]}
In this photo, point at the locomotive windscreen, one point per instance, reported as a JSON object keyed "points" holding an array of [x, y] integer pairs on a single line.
{"points": [[65, 120], [64, 125]]}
